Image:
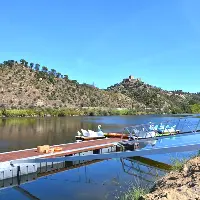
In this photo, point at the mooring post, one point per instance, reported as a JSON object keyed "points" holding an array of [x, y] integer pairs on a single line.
{"points": [[68, 163], [96, 151], [18, 175]]}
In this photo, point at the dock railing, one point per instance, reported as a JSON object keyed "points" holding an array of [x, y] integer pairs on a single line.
{"points": [[121, 154], [180, 125]]}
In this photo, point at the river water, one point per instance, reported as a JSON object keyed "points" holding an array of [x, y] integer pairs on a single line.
{"points": [[107, 179]]}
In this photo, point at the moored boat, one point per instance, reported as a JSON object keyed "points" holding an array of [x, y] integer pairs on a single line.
{"points": [[145, 131]]}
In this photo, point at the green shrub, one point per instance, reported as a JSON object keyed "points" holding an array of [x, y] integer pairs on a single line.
{"points": [[178, 163], [62, 112], [134, 193], [195, 108]]}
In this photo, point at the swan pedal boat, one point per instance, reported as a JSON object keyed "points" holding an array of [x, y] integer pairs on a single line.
{"points": [[124, 136], [154, 132], [90, 135]]}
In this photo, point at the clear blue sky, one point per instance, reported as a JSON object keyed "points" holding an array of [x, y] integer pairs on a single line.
{"points": [[104, 41]]}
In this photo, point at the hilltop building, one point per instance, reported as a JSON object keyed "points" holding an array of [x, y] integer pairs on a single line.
{"points": [[131, 79]]}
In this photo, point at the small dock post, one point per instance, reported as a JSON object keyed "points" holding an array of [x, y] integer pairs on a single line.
{"points": [[68, 163], [96, 151], [18, 175]]}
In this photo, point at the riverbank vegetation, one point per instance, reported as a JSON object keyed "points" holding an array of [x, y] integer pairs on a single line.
{"points": [[47, 112], [135, 193], [178, 163], [195, 108]]}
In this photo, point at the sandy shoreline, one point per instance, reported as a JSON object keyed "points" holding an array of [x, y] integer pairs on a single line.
{"points": [[179, 185]]}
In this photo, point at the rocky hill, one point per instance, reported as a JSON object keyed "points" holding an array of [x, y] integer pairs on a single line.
{"points": [[24, 85], [155, 98]]}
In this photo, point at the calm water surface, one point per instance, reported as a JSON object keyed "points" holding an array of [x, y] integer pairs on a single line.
{"points": [[22, 133], [106, 179]]}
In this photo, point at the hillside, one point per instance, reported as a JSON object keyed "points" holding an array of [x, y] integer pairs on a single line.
{"points": [[154, 98], [24, 85]]}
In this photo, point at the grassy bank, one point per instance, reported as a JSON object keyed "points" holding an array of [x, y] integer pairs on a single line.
{"points": [[39, 112], [135, 194], [177, 164]]}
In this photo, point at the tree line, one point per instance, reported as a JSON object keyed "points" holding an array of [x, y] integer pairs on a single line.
{"points": [[36, 67]]}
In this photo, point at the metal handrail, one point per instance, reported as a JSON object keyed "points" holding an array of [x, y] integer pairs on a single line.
{"points": [[139, 152], [178, 123]]}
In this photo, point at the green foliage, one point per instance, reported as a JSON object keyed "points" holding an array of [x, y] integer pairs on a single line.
{"points": [[37, 67], [176, 110], [120, 112], [58, 75], [134, 193], [18, 112], [178, 163], [66, 77], [51, 79], [53, 72], [57, 112], [195, 108], [44, 69], [31, 65], [22, 61]]}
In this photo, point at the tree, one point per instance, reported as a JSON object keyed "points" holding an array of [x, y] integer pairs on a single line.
{"points": [[31, 65], [5, 62], [10, 63], [53, 72], [26, 64], [75, 81], [58, 75], [66, 77], [37, 67], [44, 69], [22, 61]]}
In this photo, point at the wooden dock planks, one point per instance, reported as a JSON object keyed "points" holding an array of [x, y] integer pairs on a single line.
{"points": [[8, 156]]}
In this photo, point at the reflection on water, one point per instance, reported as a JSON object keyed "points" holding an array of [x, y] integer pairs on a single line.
{"points": [[143, 170], [107, 179], [21, 133]]}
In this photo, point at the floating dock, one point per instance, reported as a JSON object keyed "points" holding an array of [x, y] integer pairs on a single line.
{"points": [[43, 171], [30, 161], [9, 171]]}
